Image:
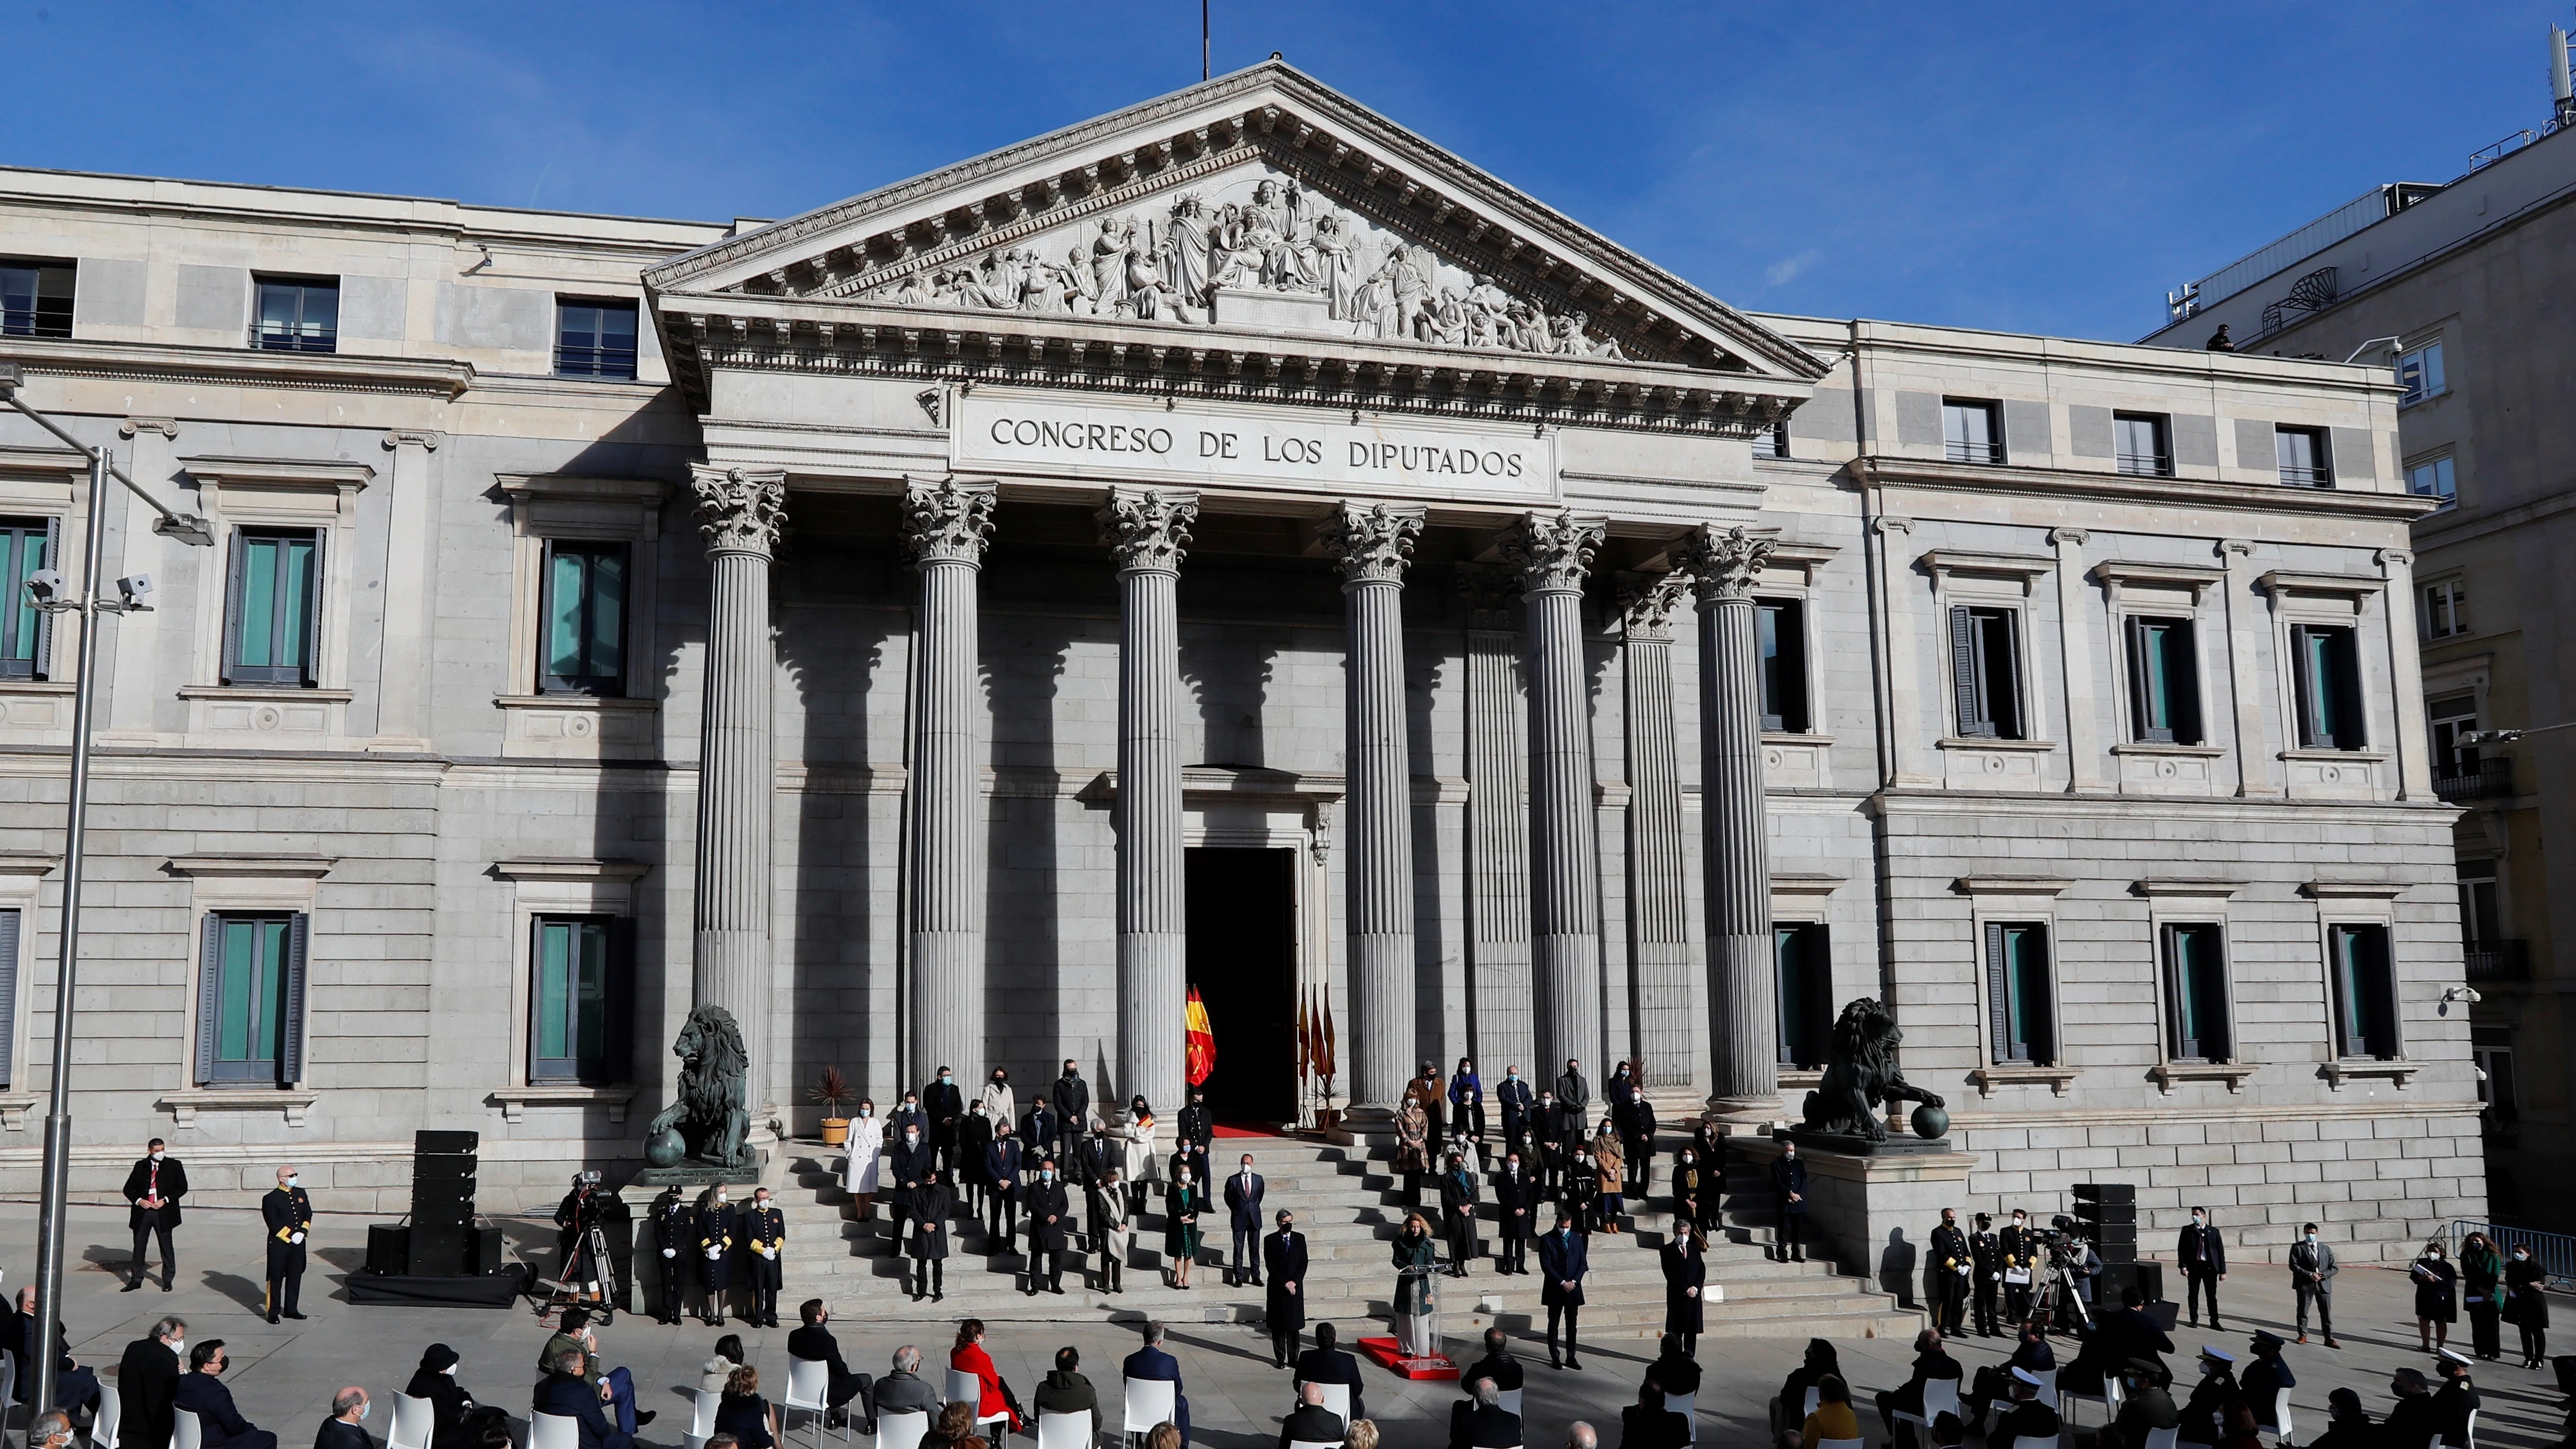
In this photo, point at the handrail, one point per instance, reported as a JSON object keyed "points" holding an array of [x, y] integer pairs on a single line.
{"points": [[2554, 1252]]}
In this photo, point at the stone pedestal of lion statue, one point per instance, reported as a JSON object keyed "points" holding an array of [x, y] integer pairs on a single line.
{"points": [[703, 1138], [1875, 1187]]}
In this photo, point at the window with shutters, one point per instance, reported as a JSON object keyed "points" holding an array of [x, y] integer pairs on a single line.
{"points": [[272, 607], [2325, 664], [2196, 994], [584, 613], [2164, 682], [26, 632], [2365, 991], [1806, 967], [9, 925], [1971, 431], [1781, 625], [250, 998], [578, 1000], [1985, 672], [2020, 994]]}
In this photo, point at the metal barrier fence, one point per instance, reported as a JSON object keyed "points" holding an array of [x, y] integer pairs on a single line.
{"points": [[2554, 1252]]}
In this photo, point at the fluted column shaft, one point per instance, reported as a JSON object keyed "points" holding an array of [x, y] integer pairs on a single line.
{"points": [[1498, 869], [1661, 965], [1147, 531], [1744, 985], [945, 526], [1373, 544], [1554, 552], [740, 511]]}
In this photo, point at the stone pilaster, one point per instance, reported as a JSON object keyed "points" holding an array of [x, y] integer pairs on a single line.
{"points": [[1660, 960], [134, 644], [1744, 986], [2406, 665], [1146, 530], [1553, 553], [1498, 869], [945, 525], [2084, 756], [740, 510], [1373, 543], [411, 595]]}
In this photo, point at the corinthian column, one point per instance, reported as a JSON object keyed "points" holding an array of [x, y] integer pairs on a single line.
{"points": [[1373, 542], [740, 511], [1658, 876], [1744, 986], [1553, 552], [1146, 530], [944, 529]]}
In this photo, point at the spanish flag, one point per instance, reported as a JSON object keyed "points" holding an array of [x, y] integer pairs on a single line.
{"points": [[1200, 1053]]}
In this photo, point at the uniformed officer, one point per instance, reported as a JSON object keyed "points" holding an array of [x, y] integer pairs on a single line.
{"points": [[719, 1228], [675, 1233], [289, 1216], [1952, 1266], [1987, 1252], [2020, 1245], [764, 1237]]}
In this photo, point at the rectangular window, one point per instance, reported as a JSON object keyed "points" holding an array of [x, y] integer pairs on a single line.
{"points": [[594, 338], [2327, 666], [2164, 681], [26, 545], [36, 298], [577, 1001], [2419, 371], [2433, 479], [2453, 717], [8, 998], [2140, 444], [1782, 626], [1971, 432], [2446, 609], [250, 998], [584, 610], [297, 314], [2301, 453], [2196, 993], [2019, 994], [272, 606], [1805, 963], [2365, 992], [1985, 673], [2492, 1048], [1774, 444], [2481, 921]]}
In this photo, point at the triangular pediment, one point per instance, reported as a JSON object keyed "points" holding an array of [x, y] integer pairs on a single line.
{"points": [[1259, 203]]}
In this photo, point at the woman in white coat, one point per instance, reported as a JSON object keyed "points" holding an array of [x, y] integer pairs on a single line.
{"points": [[866, 1148], [1143, 1164], [999, 1103]]}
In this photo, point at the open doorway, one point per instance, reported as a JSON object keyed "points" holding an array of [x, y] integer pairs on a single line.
{"points": [[1243, 960]]}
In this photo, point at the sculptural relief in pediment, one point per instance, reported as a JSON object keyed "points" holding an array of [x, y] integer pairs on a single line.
{"points": [[1250, 247]]}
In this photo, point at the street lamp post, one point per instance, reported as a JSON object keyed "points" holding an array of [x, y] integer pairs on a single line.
{"points": [[55, 596]]}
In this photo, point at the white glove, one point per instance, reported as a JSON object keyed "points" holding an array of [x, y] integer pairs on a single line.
{"points": [[298, 1238], [670, 1252], [770, 1253], [714, 1253]]}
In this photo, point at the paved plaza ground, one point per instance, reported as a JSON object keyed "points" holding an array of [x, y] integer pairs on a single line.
{"points": [[283, 1377]]}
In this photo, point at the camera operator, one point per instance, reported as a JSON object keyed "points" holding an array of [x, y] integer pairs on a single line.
{"points": [[575, 1216]]}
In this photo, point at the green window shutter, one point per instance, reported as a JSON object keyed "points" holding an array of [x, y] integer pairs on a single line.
{"points": [[2352, 727], [2150, 708], [2181, 1042], [8, 997], [301, 612], [1967, 675], [607, 634], [2306, 656], [2352, 996], [1999, 996], [31, 618], [210, 1002], [290, 999]]}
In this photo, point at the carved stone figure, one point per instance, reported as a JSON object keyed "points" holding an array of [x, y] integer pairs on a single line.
{"points": [[1861, 1073], [709, 1115]]}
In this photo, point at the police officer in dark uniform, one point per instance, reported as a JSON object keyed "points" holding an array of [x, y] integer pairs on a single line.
{"points": [[1952, 1266], [764, 1237], [1986, 1251], [719, 1225], [2020, 1245], [674, 1230], [289, 1216]]}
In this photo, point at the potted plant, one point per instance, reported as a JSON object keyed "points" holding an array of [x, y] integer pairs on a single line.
{"points": [[831, 1091]]}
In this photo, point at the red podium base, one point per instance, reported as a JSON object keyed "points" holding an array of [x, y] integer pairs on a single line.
{"points": [[1388, 1356]]}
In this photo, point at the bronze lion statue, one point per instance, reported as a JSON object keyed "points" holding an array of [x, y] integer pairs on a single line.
{"points": [[1861, 1074], [710, 1115]]}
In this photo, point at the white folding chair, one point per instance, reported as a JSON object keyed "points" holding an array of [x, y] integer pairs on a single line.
{"points": [[966, 1387], [1510, 1399], [1064, 1431], [1310, 1444], [415, 1421], [1149, 1402], [1813, 1399], [809, 1391], [1940, 1396], [2048, 1387], [2109, 1399], [1686, 1405], [2469, 1431], [554, 1431], [1337, 1400], [111, 1413], [2279, 1427], [702, 1420], [2027, 1442], [2164, 1438], [187, 1433], [901, 1431]]}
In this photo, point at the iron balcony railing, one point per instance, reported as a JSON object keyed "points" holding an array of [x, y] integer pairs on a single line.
{"points": [[2554, 1252], [2487, 779], [2499, 960]]}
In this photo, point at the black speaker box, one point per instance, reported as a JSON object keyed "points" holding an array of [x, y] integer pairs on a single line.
{"points": [[388, 1248], [486, 1258], [442, 1169], [464, 1142], [2118, 1278], [2124, 1194], [438, 1249]]}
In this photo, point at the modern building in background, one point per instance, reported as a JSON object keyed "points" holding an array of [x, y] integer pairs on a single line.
{"points": [[1227, 544], [2464, 288]]}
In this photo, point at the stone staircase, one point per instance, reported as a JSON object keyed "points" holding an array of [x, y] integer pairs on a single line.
{"points": [[1349, 1202]]}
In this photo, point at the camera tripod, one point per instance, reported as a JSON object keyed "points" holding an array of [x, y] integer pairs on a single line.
{"points": [[589, 1278], [2055, 1291]]}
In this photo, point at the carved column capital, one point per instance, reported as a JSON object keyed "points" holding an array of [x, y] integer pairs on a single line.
{"points": [[947, 522], [1723, 563], [740, 510], [2395, 558], [166, 427], [1372, 542], [1493, 597], [1553, 551], [400, 437], [1148, 529], [2234, 548], [1647, 601]]}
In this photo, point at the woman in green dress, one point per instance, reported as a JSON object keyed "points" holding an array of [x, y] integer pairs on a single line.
{"points": [[1416, 1259], [1182, 1203]]}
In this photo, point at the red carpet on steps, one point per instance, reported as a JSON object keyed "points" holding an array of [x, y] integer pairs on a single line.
{"points": [[1388, 1356]]}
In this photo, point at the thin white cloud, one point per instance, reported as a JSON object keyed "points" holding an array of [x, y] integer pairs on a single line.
{"points": [[1786, 270]]}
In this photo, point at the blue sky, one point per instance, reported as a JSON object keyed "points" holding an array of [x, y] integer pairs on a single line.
{"points": [[2044, 167]]}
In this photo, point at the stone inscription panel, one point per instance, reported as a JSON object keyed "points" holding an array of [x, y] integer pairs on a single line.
{"points": [[1192, 445]]}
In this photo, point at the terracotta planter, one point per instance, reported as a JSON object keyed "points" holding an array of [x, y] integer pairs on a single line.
{"points": [[836, 1131]]}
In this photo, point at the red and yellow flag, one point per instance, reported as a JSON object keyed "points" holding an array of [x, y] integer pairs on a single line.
{"points": [[1200, 1052]]}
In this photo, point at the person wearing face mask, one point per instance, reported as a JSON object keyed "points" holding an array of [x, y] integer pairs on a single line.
{"points": [[1690, 1185], [1243, 1194], [865, 1162], [945, 1106], [146, 1377], [1581, 1194], [2202, 1252], [1986, 1254], [342, 1430], [50, 1431], [1039, 1129], [2021, 1259], [1050, 1228], [1564, 1260], [1516, 1102], [1182, 1204], [1137, 1135], [974, 1141], [2437, 1301], [671, 1234], [908, 1110], [1198, 1132], [288, 1212], [1283, 1253], [1789, 1202], [719, 1225], [1072, 1096], [2526, 1303], [154, 1188], [1001, 1164], [908, 1166], [449, 1403], [2312, 1275], [1467, 1100], [931, 1209], [1111, 1237], [1953, 1265], [202, 1392], [764, 1238], [1001, 1104], [1547, 1123], [1412, 1146], [1516, 1207], [2481, 1274]]}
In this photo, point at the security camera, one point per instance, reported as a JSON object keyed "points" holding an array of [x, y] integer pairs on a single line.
{"points": [[47, 588], [133, 587], [2466, 994]]}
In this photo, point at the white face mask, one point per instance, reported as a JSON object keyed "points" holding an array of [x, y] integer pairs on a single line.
{"points": [[156, 1156], [292, 1179], [363, 1408], [2312, 1237], [179, 1347], [1047, 1176], [450, 1371], [760, 1202], [720, 1197]]}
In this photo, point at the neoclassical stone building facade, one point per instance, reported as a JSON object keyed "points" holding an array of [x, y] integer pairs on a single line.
{"points": [[1230, 545]]}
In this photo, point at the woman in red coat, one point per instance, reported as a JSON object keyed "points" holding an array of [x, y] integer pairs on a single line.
{"points": [[969, 1357]]}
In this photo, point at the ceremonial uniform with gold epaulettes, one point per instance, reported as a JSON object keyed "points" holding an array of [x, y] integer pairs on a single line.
{"points": [[675, 1231], [1952, 1268], [764, 1237], [718, 1224], [289, 1215], [2019, 1245], [1987, 1251]]}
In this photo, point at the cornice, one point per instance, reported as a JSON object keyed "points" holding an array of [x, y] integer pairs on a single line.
{"points": [[278, 472], [1884, 471], [243, 367]]}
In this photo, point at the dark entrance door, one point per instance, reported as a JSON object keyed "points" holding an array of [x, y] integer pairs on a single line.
{"points": [[1242, 959]]}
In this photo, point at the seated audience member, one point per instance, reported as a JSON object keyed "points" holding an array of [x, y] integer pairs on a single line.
{"points": [[566, 1393], [728, 1356], [1326, 1364], [435, 1380], [2028, 1417], [905, 1391], [1790, 1408], [202, 1392], [750, 1418], [342, 1430], [1676, 1370], [813, 1342], [1065, 1391], [1647, 1423], [1931, 1361], [1833, 1418], [1311, 1423], [2348, 1424], [2145, 1407], [1480, 1421], [1498, 1363]]}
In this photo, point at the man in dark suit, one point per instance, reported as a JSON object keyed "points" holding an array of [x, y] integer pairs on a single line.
{"points": [[341, 1430], [1311, 1423], [945, 1107], [908, 1165], [1243, 1193], [1327, 1364], [905, 1391], [1283, 1256], [1151, 1362], [154, 1187], [1516, 1204], [1002, 1181], [1498, 1363], [2116, 1337], [1072, 1098], [1573, 1093], [1931, 1361], [2202, 1252], [201, 1392], [1789, 1196], [1481, 1422], [814, 1343], [1563, 1260], [289, 1216], [75, 1388], [146, 1378], [1513, 1095], [1050, 1228], [564, 1392]]}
